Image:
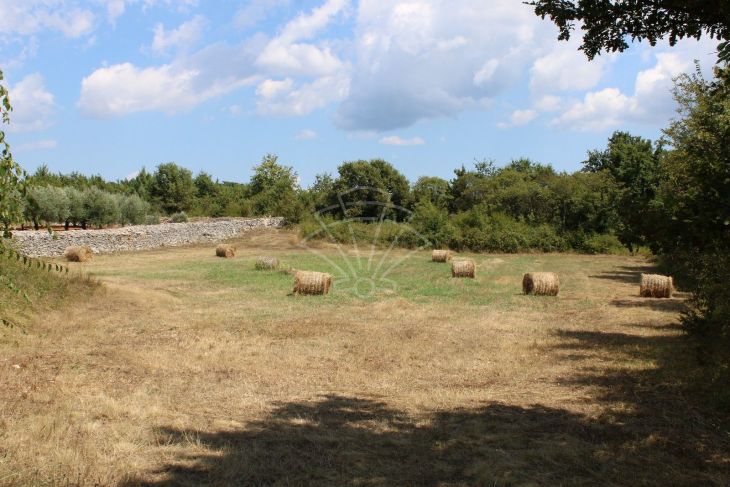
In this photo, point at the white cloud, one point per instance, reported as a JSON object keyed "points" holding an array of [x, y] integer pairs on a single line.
{"points": [[549, 103], [123, 88], [519, 117], [187, 34], [131, 175], [284, 98], [256, 11], [396, 140], [180, 5], [270, 88], [189, 80], [28, 17], [286, 55], [565, 68], [114, 10], [597, 111], [305, 134], [33, 105], [43, 144], [425, 59], [651, 101]]}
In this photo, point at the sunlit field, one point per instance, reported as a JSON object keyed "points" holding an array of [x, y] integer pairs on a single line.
{"points": [[187, 369]]}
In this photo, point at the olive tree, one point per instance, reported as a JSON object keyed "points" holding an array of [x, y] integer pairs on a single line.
{"points": [[101, 207], [133, 210], [76, 207]]}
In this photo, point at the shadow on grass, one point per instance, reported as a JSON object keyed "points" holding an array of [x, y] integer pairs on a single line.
{"points": [[650, 429], [671, 305], [661, 409], [349, 441], [626, 274]]}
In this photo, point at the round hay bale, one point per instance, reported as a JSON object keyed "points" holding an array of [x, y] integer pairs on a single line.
{"points": [[441, 255], [463, 268], [78, 253], [309, 282], [225, 250], [541, 283], [267, 263], [656, 286]]}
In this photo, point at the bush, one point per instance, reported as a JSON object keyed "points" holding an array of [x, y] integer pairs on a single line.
{"points": [[15, 203], [152, 219], [433, 224], [180, 217], [707, 318], [500, 233], [602, 244]]}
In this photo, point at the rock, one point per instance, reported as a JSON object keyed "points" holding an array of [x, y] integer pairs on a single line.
{"points": [[139, 237]]}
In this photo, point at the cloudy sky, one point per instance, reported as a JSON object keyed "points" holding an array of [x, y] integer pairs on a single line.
{"points": [[109, 86]]}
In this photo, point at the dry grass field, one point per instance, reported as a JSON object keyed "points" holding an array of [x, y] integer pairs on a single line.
{"points": [[187, 369]]}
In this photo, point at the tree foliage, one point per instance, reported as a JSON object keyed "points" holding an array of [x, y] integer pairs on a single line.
{"points": [[635, 164], [370, 190], [172, 188], [696, 199], [11, 173], [606, 24]]}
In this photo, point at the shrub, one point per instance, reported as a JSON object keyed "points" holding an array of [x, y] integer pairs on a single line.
{"points": [[602, 244], [180, 217], [433, 224], [152, 219]]}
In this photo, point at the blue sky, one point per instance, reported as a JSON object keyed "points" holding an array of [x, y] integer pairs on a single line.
{"points": [[109, 86]]}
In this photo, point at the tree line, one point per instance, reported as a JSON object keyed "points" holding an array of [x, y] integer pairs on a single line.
{"points": [[522, 206]]}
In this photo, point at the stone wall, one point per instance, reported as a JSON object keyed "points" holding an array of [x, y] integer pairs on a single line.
{"points": [[138, 237]]}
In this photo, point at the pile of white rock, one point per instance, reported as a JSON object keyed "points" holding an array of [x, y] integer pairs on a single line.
{"points": [[137, 237]]}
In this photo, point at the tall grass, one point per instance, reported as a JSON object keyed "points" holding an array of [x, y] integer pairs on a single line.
{"points": [[31, 285]]}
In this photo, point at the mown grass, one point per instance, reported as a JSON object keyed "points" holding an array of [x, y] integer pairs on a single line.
{"points": [[194, 370], [382, 275]]}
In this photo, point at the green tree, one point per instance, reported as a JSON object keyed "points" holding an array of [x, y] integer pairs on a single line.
{"points": [[48, 204], [274, 190], [468, 189], [432, 222], [371, 190], [205, 187], [12, 176], [15, 204], [271, 174], [432, 189], [133, 210], [101, 207], [636, 165], [76, 207], [141, 184], [607, 24], [319, 193], [696, 202], [172, 188]]}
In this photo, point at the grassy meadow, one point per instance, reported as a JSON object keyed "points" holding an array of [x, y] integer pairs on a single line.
{"points": [[187, 369]]}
